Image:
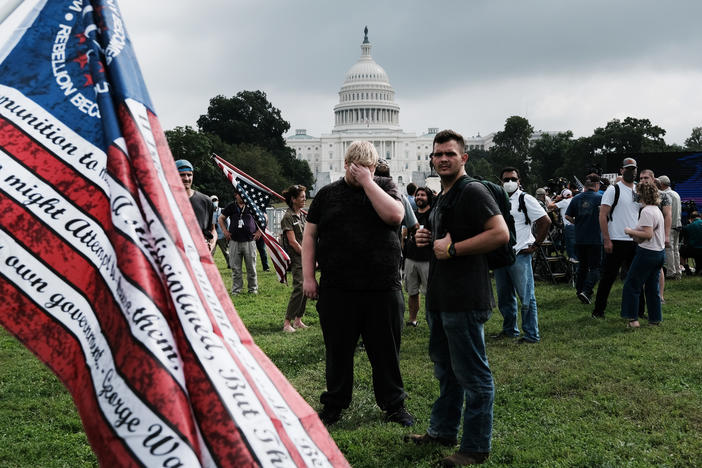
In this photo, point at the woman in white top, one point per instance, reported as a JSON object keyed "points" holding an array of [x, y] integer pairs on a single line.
{"points": [[649, 234]]}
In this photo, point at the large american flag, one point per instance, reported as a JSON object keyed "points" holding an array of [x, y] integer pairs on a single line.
{"points": [[103, 272], [257, 196]]}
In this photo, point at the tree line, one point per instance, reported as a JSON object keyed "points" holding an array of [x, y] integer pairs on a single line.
{"points": [[248, 131], [553, 156]]}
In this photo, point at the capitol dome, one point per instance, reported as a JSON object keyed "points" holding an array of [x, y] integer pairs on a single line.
{"points": [[366, 99]]}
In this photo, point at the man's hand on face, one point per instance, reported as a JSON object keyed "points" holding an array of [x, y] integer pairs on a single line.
{"points": [[361, 174]]}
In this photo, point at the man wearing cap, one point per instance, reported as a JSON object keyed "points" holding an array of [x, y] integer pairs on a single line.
{"points": [[201, 203], [221, 241], [672, 251], [584, 212], [619, 209], [541, 197]]}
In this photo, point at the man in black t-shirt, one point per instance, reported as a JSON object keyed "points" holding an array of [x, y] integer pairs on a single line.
{"points": [[465, 225], [201, 203], [351, 232], [417, 258]]}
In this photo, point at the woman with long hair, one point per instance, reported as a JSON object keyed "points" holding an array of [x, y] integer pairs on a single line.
{"points": [[645, 268], [292, 225]]}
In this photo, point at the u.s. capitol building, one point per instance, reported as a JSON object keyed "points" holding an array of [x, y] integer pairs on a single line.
{"points": [[367, 111]]}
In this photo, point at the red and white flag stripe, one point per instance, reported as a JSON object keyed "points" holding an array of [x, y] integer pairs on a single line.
{"points": [[106, 279]]}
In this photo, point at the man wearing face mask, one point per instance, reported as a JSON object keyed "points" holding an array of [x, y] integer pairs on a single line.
{"points": [[518, 279], [618, 210]]}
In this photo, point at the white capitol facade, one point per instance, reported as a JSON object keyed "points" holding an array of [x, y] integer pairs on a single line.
{"points": [[367, 111]]}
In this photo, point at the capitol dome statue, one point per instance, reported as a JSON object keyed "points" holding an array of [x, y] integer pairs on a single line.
{"points": [[366, 99]]}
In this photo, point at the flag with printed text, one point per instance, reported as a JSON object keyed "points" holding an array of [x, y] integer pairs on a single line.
{"points": [[103, 272]]}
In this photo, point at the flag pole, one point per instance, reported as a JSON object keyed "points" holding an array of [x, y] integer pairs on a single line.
{"points": [[244, 174]]}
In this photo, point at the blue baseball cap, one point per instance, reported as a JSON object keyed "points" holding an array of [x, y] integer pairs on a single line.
{"points": [[184, 165]]}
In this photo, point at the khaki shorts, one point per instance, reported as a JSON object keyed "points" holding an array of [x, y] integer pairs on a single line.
{"points": [[416, 275]]}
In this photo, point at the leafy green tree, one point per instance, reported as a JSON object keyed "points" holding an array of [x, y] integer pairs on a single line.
{"points": [[511, 146], [580, 159], [694, 143], [628, 136], [188, 143], [197, 147], [249, 118], [479, 165], [547, 154]]}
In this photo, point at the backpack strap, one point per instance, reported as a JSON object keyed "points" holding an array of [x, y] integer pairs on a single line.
{"points": [[522, 208], [614, 203], [449, 201]]}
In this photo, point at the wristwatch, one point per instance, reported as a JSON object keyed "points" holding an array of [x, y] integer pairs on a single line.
{"points": [[451, 251]]}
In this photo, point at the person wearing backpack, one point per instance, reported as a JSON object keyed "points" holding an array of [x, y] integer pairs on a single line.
{"points": [[466, 224], [619, 209], [517, 280]]}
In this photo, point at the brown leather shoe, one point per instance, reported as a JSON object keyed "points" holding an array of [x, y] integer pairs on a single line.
{"points": [[465, 458], [424, 439]]}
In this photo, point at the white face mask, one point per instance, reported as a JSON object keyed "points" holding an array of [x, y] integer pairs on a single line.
{"points": [[511, 186]]}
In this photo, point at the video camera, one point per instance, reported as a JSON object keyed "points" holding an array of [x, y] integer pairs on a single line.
{"points": [[557, 185]]}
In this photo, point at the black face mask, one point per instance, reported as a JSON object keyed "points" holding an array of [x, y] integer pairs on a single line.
{"points": [[628, 175]]}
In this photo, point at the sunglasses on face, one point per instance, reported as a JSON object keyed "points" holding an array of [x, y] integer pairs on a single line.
{"points": [[510, 179]]}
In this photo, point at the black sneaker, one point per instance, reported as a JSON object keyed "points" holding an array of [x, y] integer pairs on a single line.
{"points": [[523, 340], [584, 298], [502, 335], [329, 415], [412, 324], [400, 416], [425, 439], [464, 459]]}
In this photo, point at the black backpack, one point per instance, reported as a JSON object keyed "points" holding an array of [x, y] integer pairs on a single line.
{"points": [[614, 203], [522, 208], [503, 255]]}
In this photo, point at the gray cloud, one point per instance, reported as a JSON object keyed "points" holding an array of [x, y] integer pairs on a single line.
{"points": [[489, 55]]}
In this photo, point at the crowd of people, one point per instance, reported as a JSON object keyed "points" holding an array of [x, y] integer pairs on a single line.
{"points": [[361, 237]]}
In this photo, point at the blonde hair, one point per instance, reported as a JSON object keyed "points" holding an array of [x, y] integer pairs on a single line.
{"points": [[361, 152], [648, 194]]}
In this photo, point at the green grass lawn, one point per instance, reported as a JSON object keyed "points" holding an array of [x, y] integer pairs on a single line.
{"points": [[591, 394]]}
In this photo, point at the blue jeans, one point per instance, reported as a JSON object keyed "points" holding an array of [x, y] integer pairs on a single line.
{"points": [[644, 271], [512, 281], [590, 257], [457, 349], [569, 234]]}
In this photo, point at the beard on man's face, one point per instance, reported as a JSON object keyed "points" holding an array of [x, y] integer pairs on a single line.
{"points": [[421, 203]]}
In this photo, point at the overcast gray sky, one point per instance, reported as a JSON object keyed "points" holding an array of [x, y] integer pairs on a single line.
{"points": [[467, 65]]}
